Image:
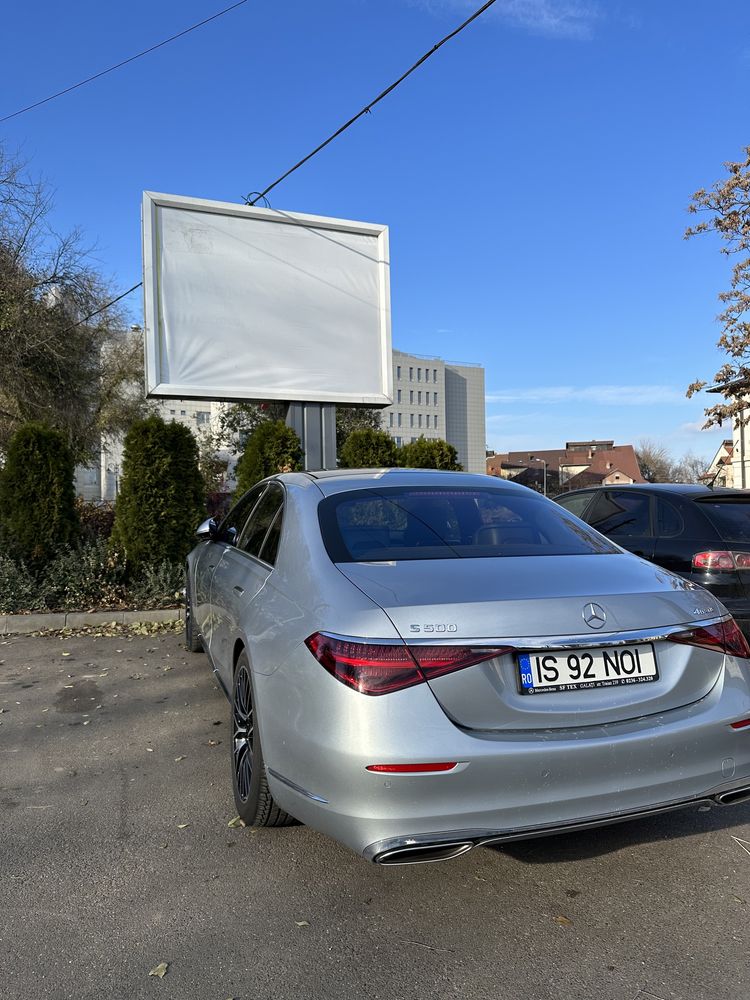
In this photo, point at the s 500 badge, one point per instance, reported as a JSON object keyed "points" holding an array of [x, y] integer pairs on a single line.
{"points": [[431, 629]]}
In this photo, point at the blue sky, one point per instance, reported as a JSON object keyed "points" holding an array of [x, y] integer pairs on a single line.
{"points": [[535, 173]]}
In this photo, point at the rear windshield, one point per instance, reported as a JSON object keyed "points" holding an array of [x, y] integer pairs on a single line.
{"points": [[395, 523], [731, 519]]}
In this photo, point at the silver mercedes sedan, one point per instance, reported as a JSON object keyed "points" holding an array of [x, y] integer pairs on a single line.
{"points": [[422, 662]]}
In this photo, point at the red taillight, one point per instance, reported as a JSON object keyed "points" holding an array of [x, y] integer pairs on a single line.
{"points": [[724, 637], [721, 560], [379, 668], [411, 768], [743, 724]]}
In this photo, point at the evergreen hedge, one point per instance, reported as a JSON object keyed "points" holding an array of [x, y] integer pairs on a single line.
{"points": [[160, 502], [37, 497], [271, 448], [429, 453], [368, 449]]}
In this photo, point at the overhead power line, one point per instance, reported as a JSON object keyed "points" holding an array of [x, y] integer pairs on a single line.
{"points": [[366, 110], [262, 194], [101, 309], [119, 65]]}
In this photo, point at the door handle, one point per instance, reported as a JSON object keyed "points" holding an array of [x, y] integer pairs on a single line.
{"points": [[239, 590]]}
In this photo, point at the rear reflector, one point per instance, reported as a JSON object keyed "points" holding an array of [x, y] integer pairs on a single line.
{"points": [[741, 725], [380, 668], [722, 560], [411, 768], [724, 637]]}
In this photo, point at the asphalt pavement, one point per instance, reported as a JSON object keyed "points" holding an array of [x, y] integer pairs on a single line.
{"points": [[116, 857]]}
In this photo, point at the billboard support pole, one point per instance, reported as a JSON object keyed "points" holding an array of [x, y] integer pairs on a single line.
{"points": [[315, 426]]}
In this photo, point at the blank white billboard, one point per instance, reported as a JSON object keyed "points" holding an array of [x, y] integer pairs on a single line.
{"points": [[245, 303]]}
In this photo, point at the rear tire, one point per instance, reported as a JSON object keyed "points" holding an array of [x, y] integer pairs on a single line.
{"points": [[252, 796], [193, 643]]}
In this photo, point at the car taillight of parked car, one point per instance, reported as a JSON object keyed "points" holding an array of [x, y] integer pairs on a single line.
{"points": [[722, 560], [723, 637], [381, 668]]}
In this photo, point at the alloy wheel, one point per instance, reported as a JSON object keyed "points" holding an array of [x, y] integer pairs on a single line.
{"points": [[242, 724]]}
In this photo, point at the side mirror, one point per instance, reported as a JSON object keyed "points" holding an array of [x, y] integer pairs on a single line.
{"points": [[208, 530]]}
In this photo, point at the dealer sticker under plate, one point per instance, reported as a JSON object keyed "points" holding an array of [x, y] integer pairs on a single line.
{"points": [[575, 670]]}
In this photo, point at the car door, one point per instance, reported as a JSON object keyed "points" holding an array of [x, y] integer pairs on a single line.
{"points": [[625, 516], [240, 576], [678, 536], [226, 536], [576, 503]]}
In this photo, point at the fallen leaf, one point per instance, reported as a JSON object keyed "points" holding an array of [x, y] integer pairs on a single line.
{"points": [[237, 821], [65, 654], [302, 923], [178, 759], [182, 826], [563, 921], [213, 743], [149, 749], [160, 970]]}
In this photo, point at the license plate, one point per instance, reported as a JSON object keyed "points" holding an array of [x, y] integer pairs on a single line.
{"points": [[576, 670]]}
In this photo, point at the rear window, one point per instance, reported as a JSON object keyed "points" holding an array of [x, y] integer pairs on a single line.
{"points": [[731, 519], [384, 525]]}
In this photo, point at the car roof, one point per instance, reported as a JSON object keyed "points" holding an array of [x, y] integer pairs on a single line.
{"points": [[692, 491], [331, 481]]}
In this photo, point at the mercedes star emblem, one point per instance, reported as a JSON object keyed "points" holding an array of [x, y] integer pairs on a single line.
{"points": [[594, 615]]}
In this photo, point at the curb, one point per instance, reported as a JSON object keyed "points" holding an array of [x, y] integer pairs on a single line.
{"points": [[24, 624]]}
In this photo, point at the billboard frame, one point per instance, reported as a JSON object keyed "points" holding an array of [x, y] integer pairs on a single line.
{"points": [[158, 387]]}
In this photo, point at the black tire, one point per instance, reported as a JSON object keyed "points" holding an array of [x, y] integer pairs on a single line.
{"points": [[252, 796], [193, 643]]}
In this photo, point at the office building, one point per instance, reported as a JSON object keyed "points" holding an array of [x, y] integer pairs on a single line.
{"points": [[433, 398]]}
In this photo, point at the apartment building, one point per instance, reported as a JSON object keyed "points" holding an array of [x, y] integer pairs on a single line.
{"points": [[434, 398]]}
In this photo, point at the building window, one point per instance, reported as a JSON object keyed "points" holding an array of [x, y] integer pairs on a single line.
{"points": [[419, 397], [411, 419], [427, 421], [202, 417], [411, 374], [434, 398], [398, 396], [399, 420], [172, 412], [419, 374], [434, 374], [427, 374], [398, 441], [390, 420], [419, 420], [398, 372], [411, 395], [413, 440], [182, 413]]}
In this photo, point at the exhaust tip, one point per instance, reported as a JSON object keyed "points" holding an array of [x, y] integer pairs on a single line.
{"points": [[422, 854], [733, 797]]}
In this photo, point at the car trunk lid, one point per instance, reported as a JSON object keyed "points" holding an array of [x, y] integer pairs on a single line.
{"points": [[539, 603]]}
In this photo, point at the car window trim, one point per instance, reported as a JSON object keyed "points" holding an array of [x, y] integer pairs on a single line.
{"points": [[221, 529], [608, 492], [590, 497], [237, 546], [279, 514]]}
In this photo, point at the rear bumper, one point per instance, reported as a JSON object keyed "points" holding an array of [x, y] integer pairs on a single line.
{"points": [[389, 851], [506, 786]]}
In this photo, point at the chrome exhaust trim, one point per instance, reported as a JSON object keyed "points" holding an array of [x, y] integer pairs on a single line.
{"points": [[733, 797], [422, 854]]}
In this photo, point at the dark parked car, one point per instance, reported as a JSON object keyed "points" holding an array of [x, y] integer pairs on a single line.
{"points": [[702, 534]]}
